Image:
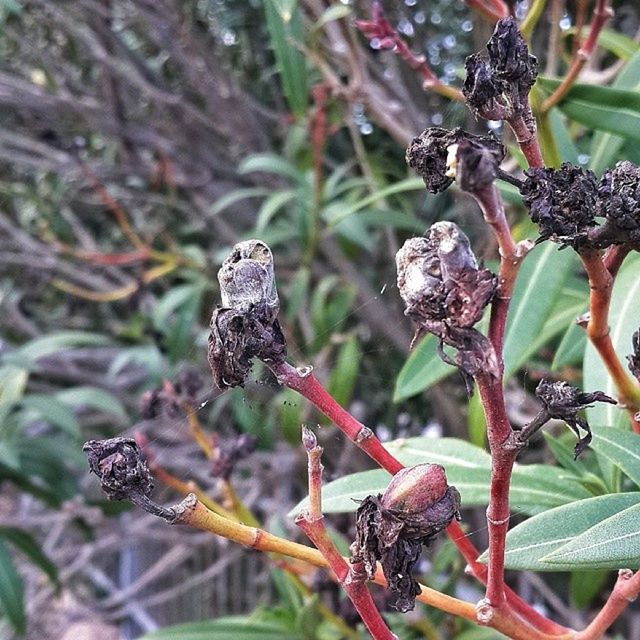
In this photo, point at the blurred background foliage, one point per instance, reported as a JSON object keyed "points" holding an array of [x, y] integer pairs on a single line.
{"points": [[139, 140]]}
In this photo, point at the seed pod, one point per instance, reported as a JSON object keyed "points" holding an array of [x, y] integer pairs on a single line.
{"points": [[562, 202], [476, 163], [229, 452], [393, 527], [246, 326], [427, 154]]}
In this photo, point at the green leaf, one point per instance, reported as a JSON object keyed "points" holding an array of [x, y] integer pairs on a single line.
{"points": [[585, 586], [605, 148], [422, 369], [566, 148], [530, 542], [620, 45], [92, 397], [11, 592], [603, 108], [534, 487], [271, 206], [538, 285], [623, 321], [53, 411], [621, 447], [570, 351], [53, 343], [270, 163], [334, 12], [236, 627], [344, 374], [236, 196], [286, 36], [611, 543], [26, 543]]}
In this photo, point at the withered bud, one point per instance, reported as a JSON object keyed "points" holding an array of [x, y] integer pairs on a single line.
{"points": [[563, 402], [246, 325], [619, 204], [497, 86], [634, 358], [171, 398], [230, 451], [393, 527], [475, 163], [445, 293], [562, 202], [427, 154]]}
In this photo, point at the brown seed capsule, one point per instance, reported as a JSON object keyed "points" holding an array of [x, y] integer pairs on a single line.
{"points": [[393, 527]]}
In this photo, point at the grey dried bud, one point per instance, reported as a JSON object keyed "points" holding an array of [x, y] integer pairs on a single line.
{"points": [[563, 402], [497, 86], [247, 279], [246, 326], [309, 440], [393, 527], [229, 452], [476, 164], [562, 202], [634, 358], [427, 154], [169, 399], [119, 465], [619, 204], [445, 293]]}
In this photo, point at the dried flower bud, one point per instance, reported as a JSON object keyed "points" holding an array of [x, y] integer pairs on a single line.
{"points": [[427, 154], [445, 293], [562, 202], [393, 527], [497, 87], [169, 399], [634, 358], [124, 474], [476, 163], [619, 204], [563, 402], [229, 452], [246, 326]]}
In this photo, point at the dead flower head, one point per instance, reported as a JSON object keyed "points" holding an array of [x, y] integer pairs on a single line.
{"points": [[429, 154], [393, 527], [246, 325], [497, 86], [634, 358], [445, 292], [563, 402]]}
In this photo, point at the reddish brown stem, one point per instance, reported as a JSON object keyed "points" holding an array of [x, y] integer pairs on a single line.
{"points": [[626, 590], [311, 522], [601, 286], [525, 132], [493, 11], [303, 381], [614, 257], [601, 15]]}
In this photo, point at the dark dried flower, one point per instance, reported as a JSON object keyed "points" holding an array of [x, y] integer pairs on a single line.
{"points": [[619, 204], [188, 382], [229, 452], [445, 293], [246, 325], [561, 401], [634, 358], [427, 154], [171, 399], [562, 202], [476, 164], [123, 473], [497, 86], [393, 527]]}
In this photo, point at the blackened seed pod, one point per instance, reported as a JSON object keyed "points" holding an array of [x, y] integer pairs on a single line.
{"points": [[509, 55], [619, 204]]}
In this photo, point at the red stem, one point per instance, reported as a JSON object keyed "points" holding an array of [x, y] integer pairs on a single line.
{"points": [[626, 590], [527, 139]]}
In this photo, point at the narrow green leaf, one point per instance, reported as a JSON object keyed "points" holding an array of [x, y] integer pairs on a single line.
{"points": [[334, 12], [605, 147], [53, 411], [236, 196], [540, 280], [270, 163], [621, 447], [603, 108], [620, 45], [26, 543], [55, 342], [530, 542], [271, 206], [570, 351], [611, 543], [623, 321], [236, 627], [92, 397], [422, 370], [344, 374], [11, 592]]}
